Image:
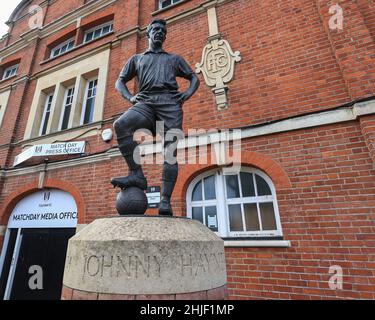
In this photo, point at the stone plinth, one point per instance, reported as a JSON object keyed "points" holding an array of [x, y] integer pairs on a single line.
{"points": [[145, 257]]}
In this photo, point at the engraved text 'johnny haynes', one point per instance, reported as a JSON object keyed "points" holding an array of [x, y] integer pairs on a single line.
{"points": [[136, 266]]}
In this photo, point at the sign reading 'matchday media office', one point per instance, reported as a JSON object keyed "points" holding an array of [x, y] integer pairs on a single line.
{"points": [[49, 208], [55, 149]]}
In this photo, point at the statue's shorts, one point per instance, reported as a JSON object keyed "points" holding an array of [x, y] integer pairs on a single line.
{"points": [[160, 107]]}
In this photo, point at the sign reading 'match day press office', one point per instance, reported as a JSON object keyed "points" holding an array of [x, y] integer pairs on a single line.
{"points": [[49, 208], [55, 149]]}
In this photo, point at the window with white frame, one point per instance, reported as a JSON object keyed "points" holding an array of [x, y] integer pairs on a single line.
{"points": [[235, 205], [76, 100], [10, 71], [46, 114], [62, 48], [98, 31], [89, 102], [166, 3], [66, 108]]}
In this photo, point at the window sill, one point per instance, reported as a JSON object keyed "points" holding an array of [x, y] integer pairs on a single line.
{"points": [[169, 7], [257, 243]]}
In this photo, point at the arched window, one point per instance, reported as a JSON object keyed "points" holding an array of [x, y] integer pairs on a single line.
{"points": [[235, 205]]}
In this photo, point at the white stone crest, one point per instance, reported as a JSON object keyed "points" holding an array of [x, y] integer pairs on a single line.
{"points": [[217, 66]]}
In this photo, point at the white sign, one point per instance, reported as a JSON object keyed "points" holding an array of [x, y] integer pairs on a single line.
{"points": [[49, 208], [153, 197], [212, 221], [55, 149]]}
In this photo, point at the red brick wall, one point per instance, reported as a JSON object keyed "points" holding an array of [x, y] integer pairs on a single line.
{"points": [[368, 131], [61, 7], [353, 47], [288, 65], [327, 214], [367, 8]]}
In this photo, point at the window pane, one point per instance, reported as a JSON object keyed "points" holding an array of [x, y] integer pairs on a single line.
{"points": [[197, 192], [165, 3], [97, 33], [262, 186], [106, 29], [50, 98], [267, 216], [90, 102], [251, 217], [47, 111], [89, 112], [211, 218], [233, 190], [209, 188], [44, 129], [198, 213], [66, 115], [235, 217], [88, 36], [247, 184]]}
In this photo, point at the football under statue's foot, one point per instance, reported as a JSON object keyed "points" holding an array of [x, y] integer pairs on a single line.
{"points": [[165, 208], [130, 181]]}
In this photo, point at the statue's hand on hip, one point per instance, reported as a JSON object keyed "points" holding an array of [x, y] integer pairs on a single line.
{"points": [[133, 99], [181, 97]]}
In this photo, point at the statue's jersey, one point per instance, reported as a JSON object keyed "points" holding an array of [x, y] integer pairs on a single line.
{"points": [[156, 71]]}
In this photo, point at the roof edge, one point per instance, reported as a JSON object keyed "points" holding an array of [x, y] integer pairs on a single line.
{"points": [[18, 9]]}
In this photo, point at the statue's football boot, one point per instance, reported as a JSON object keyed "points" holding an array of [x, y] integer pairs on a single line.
{"points": [[132, 180], [165, 208]]}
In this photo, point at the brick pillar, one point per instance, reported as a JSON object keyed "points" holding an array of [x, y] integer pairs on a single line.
{"points": [[353, 47], [368, 130], [9, 126]]}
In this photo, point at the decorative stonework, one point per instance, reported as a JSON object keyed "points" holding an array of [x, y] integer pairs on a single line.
{"points": [[217, 66]]}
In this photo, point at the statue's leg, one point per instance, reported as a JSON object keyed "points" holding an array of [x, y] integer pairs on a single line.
{"points": [[170, 112], [125, 127], [170, 172]]}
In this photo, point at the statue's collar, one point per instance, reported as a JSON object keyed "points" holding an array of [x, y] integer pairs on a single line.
{"points": [[151, 51]]}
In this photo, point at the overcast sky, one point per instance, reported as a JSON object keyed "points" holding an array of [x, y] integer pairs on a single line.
{"points": [[6, 9]]}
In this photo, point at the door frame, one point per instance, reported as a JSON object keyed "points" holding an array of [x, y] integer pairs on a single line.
{"points": [[13, 265]]}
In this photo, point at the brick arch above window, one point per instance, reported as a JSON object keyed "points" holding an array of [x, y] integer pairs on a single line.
{"points": [[16, 196], [263, 162]]}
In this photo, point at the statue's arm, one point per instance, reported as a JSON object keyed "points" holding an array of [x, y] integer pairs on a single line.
{"points": [[184, 71], [194, 85], [127, 73], [123, 89]]}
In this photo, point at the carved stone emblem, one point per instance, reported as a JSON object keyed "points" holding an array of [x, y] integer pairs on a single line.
{"points": [[217, 66]]}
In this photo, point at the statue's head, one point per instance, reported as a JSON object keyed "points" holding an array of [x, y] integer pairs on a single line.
{"points": [[157, 31]]}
